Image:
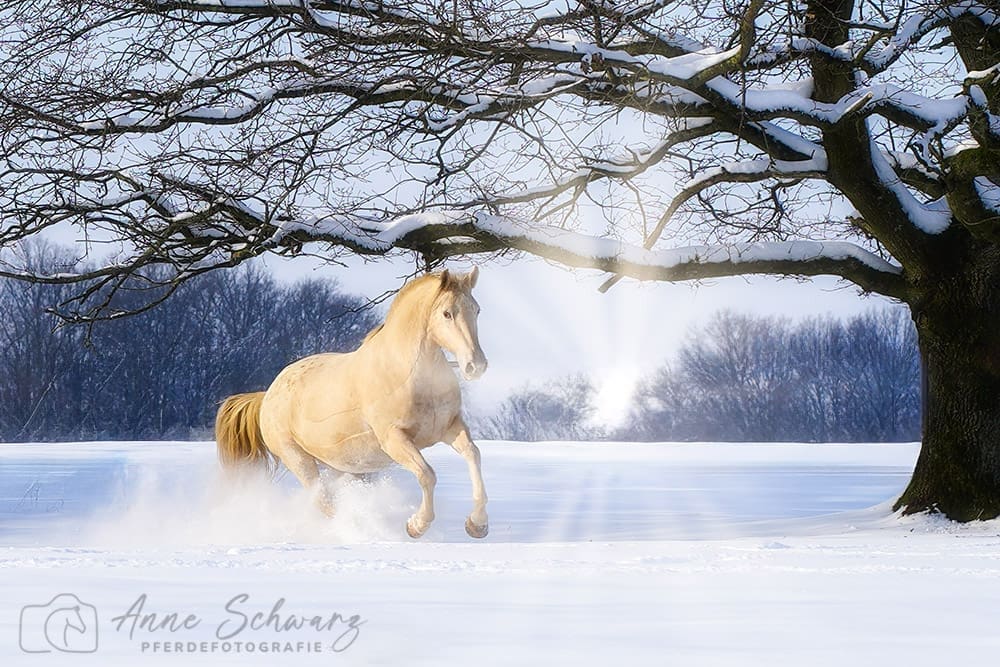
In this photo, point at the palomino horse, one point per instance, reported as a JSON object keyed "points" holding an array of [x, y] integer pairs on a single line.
{"points": [[383, 403]]}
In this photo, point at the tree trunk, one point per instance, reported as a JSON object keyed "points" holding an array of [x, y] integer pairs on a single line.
{"points": [[958, 326]]}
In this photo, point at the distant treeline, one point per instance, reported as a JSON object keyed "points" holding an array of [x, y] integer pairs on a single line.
{"points": [[746, 378], [159, 374]]}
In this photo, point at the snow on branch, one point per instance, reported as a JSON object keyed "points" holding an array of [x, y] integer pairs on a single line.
{"points": [[989, 193], [431, 233], [918, 26], [442, 233], [932, 218]]}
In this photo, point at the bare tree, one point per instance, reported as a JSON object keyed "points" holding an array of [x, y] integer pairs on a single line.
{"points": [[738, 365], [881, 347], [162, 373], [36, 366], [559, 410], [844, 137], [752, 378]]}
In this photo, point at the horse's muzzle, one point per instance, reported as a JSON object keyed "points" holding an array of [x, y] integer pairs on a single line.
{"points": [[473, 370]]}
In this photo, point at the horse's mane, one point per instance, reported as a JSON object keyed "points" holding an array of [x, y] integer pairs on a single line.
{"points": [[371, 334], [402, 297]]}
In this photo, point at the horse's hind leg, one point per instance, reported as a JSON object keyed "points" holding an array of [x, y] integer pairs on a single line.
{"points": [[303, 466]]}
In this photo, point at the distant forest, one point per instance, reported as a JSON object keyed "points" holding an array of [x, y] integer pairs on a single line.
{"points": [[744, 378], [161, 374]]}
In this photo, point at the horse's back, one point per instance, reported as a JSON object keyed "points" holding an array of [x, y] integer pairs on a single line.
{"points": [[316, 402], [312, 388]]}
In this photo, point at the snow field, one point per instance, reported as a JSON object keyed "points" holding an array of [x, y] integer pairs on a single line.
{"points": [[693, 554]]}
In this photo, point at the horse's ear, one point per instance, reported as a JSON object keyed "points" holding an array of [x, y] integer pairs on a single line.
{"points": [[447, 280], [472, 277]]}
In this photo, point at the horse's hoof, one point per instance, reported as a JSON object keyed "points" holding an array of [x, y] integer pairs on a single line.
{"points": [[473, 530], [413, 532]]}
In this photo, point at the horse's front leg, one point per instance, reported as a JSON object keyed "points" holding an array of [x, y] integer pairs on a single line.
{"points": [[401, 449], [477, 525]]}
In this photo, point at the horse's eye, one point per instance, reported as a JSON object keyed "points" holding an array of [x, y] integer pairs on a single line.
{"points": [[447, 314]]}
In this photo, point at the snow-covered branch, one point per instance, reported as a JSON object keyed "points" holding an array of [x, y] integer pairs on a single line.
{"points": [[158, 123], [443, 233]]}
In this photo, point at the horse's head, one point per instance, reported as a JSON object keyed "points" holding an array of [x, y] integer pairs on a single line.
{"points": [[454, 322]]}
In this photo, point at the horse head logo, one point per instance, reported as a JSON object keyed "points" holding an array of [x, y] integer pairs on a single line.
{"points": [[65, 624]]}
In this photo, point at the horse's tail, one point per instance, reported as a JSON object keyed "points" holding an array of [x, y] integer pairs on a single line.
{"points": [[237, 433]]}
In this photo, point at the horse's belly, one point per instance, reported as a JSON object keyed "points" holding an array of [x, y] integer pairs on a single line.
{"points": [[359, 453], [359, 457]]}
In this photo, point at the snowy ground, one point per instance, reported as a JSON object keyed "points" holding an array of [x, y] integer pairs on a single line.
{"points": [[598, 554]]}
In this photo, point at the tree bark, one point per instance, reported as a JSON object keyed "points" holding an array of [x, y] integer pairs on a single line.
{"points": [[958, 326]]}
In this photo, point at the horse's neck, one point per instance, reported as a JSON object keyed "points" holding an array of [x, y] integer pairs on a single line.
{"points": [[406, 354]]}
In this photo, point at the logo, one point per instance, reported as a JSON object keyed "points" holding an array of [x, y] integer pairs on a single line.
{"points": [[65, 624]]}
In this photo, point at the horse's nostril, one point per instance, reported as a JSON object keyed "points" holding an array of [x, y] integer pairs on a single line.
{"points": [[470, 368]]}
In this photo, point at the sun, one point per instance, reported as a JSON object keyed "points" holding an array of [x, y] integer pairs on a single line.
{"points": [[615, 390]]}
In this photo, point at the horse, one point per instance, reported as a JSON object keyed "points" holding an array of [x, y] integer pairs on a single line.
{"points": [[384, 403]]}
